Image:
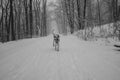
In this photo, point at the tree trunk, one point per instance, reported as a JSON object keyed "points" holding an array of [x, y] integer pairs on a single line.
{"points": [[84, 14], [11, 21], [31, 18], [79, 14]]}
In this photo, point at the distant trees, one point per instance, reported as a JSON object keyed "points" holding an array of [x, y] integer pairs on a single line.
{"points": [[22, 19], [76, 12], [67, 11], [82, 14]]}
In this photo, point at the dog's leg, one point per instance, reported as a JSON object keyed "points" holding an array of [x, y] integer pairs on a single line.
{"points": [[53, 43], [55, 47], [58, 46]]}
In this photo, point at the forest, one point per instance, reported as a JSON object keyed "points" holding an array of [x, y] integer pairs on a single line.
{"points": [[20, 19]]}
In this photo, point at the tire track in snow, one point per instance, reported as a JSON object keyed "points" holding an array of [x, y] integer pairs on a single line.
{"points": [[80, 73]]}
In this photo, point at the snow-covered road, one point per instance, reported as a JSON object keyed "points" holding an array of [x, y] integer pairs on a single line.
{"points": [[35, 59]]}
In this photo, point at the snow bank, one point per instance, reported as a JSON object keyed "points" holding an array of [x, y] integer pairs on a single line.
{"points": [[106, 30], [103, 35]]}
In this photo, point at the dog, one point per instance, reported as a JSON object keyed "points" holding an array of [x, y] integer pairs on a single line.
{"points": [[56, 40]]}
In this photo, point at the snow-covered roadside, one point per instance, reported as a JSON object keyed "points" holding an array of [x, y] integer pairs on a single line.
{"points": [[107, 41], [102, 35], [11, 47]]}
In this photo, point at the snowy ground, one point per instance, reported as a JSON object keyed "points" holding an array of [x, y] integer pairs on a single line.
{"points": [[35, 59]]}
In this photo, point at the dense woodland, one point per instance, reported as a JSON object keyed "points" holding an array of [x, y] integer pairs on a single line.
{"points": [[21, 19]]}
